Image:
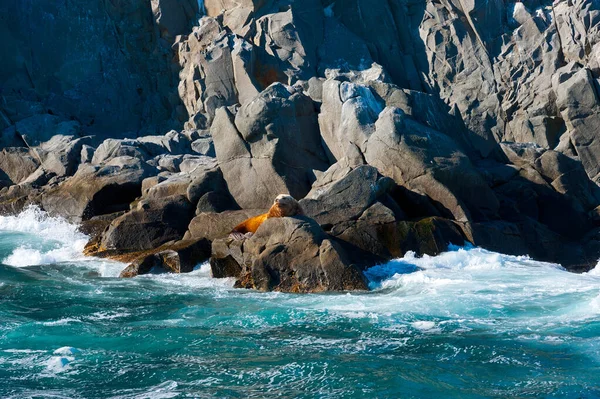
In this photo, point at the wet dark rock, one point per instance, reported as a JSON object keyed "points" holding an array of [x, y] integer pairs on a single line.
{"points": [[177, 257], [289, 255], [148, 226]]}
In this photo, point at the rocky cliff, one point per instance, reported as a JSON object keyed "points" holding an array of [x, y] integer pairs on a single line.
{"points": [[401, 124]]}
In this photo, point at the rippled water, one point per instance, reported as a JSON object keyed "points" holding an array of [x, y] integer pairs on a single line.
{"points": [[466, 324]]}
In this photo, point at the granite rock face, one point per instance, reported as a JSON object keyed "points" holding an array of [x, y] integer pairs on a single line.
{"points": [[400, 125]]}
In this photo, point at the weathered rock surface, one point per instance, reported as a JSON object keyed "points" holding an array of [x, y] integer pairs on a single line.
{"points": [[148, 226], [96, 190], [213, 225], [431, 163], [104, 66], [291, 255], [271, 147]]}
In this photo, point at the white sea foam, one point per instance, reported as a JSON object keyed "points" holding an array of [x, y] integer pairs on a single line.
{"points": [[68, 242], [58, 241], [471, 287], [58, 364], [35, 221], [199, 278], [66, 351]]}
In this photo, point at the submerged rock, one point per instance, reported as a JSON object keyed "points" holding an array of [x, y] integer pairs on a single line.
{"points": [[178, 257]]}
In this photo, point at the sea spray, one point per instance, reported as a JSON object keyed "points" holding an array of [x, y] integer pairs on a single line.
{"points": [[46, 239]]}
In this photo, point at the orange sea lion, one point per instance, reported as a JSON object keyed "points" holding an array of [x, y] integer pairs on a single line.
{"points": [[284, 205]]}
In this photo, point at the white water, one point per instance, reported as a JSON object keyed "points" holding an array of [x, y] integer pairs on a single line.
{"points": [[496, 325], [469, 284], [59, 241]]}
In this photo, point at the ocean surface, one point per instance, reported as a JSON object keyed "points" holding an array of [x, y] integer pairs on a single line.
{"points": [[468, 323]]}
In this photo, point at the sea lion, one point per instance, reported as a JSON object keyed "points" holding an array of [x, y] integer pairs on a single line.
{"points": [[284, 205]]}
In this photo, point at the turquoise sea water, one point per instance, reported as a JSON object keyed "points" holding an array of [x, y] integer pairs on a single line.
{"points": [[466, 324]]}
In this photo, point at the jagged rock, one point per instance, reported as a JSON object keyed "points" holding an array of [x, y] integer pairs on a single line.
{"points": [[578, 102], [551, 188], [96, 190], [428, 110], [61, 155], [243, 60], [191, 163], [204, 146], [173, 143], [290, 255], [167, 162], [87, 153], [347, 118], [207, 79], [173, 17], [216, 7], [106, 67], [113, 148], [163, 187], [16, 164], [387, 42], [226, 258], [291, 36], [41, 128], [344, 192], [274, 144], [431, 163]]}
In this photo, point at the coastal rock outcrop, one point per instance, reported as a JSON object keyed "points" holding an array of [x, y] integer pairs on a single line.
{"points": [[403, 125], [288, 254]]}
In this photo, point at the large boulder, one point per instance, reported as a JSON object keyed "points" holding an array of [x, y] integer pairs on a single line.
{"points": [[114, 148], [347, 118], [291, 255], [272, 147], [431, 163], [96, 190], [173, 143], [343, 193], [577, 100], [148, 226], [16, 164], [61, 155]]}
